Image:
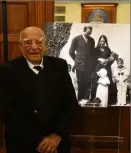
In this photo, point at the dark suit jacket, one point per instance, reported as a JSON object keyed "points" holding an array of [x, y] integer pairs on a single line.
{"points": [[33, 106], [84, 51]]}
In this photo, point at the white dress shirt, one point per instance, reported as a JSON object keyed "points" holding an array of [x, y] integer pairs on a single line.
{"points": [[31, 66], [121, 74]]}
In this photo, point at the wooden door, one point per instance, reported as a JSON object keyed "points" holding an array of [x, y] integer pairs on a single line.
{"points": [[21, 14]]}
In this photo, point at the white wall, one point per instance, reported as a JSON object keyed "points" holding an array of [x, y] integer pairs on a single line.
{"points": [[73, 12], [123, 13]]}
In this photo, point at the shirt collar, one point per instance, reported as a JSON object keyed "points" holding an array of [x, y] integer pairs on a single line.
{"points": [[32, 65], [84, 37]]}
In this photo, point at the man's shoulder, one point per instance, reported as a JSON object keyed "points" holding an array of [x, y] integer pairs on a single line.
{"points": [[92, 39], [14, 61], [78, 37], [12, 64], [55, 61]]}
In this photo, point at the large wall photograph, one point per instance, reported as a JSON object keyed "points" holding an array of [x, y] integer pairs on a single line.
{"points": [[98, 58]]}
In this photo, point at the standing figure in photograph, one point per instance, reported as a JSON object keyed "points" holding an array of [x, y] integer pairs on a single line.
{"points": [[120, 76], [38, 101], [103, 58], [102, 88], [81, 51]]}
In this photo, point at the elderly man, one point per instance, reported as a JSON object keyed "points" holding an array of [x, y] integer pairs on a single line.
{"points": [[38, 100]]}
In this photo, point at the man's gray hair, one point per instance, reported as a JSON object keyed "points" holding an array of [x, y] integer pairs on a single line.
{"points": [[21, 33]]}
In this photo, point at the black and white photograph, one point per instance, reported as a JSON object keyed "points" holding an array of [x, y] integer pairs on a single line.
{"points": [[98, 58]]}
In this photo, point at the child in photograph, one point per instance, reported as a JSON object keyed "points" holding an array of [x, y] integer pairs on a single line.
{"points": [[120, 76], [102, 88]]}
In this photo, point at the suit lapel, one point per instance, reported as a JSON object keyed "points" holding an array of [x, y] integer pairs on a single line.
{"points": [[25, 66]]}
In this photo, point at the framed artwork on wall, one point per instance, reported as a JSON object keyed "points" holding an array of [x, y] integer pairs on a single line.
{"points": [[99, 13]]}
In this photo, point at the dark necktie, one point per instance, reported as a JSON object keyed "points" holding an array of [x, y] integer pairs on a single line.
{"points": [[39, 68]]}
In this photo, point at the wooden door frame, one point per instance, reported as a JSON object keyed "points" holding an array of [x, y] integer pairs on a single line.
{"points": [[44, 13]]}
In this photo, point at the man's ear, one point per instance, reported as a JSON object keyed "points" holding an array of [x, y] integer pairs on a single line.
{"points": [[45, 45], [20, 46]]}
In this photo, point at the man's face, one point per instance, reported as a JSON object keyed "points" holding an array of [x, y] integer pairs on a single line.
{"points": [[120, 64], [33, 45], [88, 32]]}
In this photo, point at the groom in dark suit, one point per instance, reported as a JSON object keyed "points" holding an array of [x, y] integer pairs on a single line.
{"points": [[38, 100], [81, 51]]}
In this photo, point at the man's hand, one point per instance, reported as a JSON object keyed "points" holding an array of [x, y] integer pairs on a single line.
{"points": [[49, 144], [111, 58]]}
